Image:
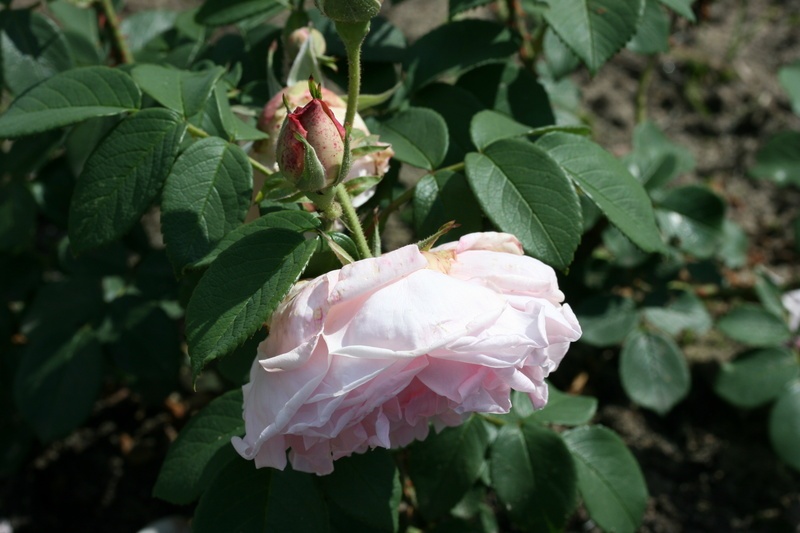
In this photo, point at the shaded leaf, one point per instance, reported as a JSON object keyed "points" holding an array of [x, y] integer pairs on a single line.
{"points": [[58, 380], [179, 480], [433, 55], [779, 159], [606, 320], [757, 377], [123, 176], [442, 197], [694, 216], [784, 426], [247, 499], [221, 12], [753, 325], [653, 370], [207, 194], [534, 477], [445, 465], [364, 492], [33, 49], [418, 137]]}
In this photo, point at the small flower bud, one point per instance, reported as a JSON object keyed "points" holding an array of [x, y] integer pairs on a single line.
{"points": [[310, 146], [349, 10], [296, 40]]}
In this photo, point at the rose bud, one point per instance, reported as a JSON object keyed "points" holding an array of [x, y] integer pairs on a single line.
{"points": [[296, 40], [369, 355], [373, 163], [310, 146]]}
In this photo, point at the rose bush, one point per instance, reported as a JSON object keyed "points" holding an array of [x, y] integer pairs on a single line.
{"points": [[369, 355]]}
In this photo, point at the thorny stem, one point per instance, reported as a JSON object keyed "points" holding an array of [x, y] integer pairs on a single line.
{"points": [[351, 220], [116, 34], [198, 132]]}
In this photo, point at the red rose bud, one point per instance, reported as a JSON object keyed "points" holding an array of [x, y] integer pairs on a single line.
{"points": [[310, 146]]}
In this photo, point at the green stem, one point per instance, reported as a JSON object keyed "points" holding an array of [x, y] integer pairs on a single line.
{"points": [[352, 35], [352, 222], [116, 34], [641, 92], [194, 131]]}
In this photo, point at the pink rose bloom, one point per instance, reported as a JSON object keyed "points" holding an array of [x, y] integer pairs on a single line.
{"points": [[369, 355]]}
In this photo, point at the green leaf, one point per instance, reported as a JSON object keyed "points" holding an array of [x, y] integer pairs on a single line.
{"points": [[733, 248], [686, 312], [17, 216], [784, 426], [418, 137], [757, 377], [247, 499], [58, 380], [789, 76], [459, 6], [779, 159], [609, 478], [73, 18], [681, 7], [525, 193], [489, 126], [207, 194], [299, 221], [147, 346], [444, 466], [239, 291], [179, 90], [560, 59], [694, 216], [480, 41], [123, 177], [33, 49], [456, 106], [594, 29], [656, 160], [604, 179], [534, 477], [222, 12], [442, 197], [753, 325], [143, 26], [565, 409], [512, 90], [364, 492], [653, 370], [769, 294], [179, 480], [652, 33], [606, 320], [70, 97]]}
